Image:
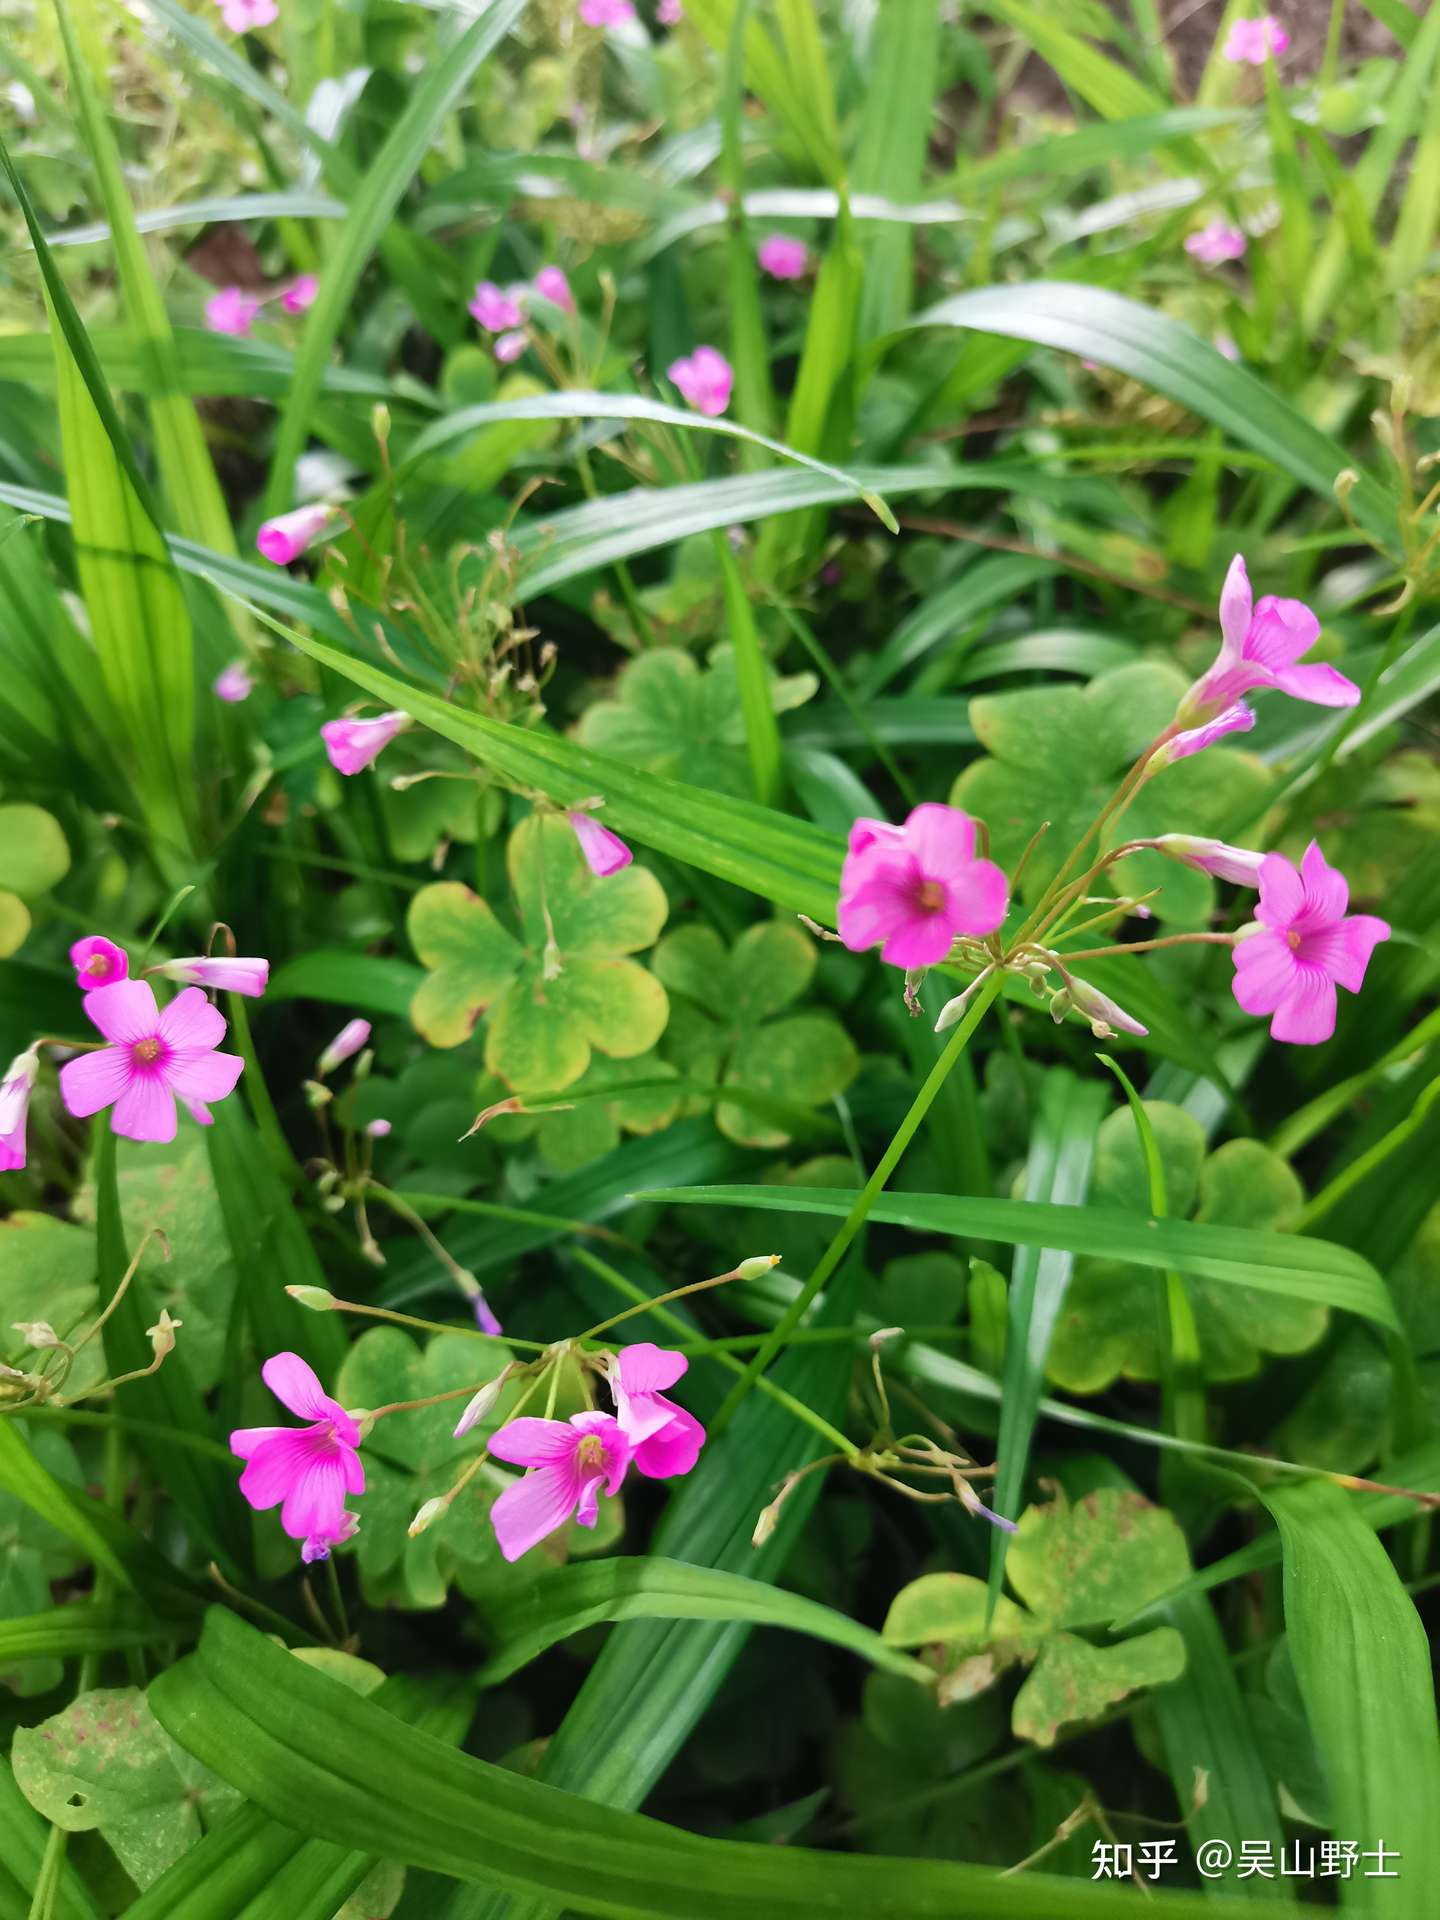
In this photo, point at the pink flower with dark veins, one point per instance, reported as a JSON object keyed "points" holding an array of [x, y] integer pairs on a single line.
{"points": [[305, 1471], [1301, 946], [664, 1439], [913, 890], [572, 1460], [605, 852], [352, 744], [154, 1057], [1260, 645]]}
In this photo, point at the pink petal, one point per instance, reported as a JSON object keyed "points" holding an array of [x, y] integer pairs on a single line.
{"points": [[316, 1500], [942, 839], [1344, 951], [98, 962], [1235, 719], [978, 907], [921, 941], [1327, 894], [1306, 1016], [868, 833], [146, 1109], [191, 1021], [1265, 970], [294, 1384], [94, 1080], [195, 1073], [612, 1438], [1280, 632], [879, 897], [534, 1507], [1235, 607], [646, 1368], [124, 1011], [1322, 685], [605, 852], [673, 1450], [1282, 892], [529, 1442], [278, 1457], [244, 1441]]}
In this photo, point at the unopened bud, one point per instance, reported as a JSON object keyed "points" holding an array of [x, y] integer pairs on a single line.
{"points": [[428, 1514], [380, 421], [36, 1333], [479, 1405], [1105, 1015], [317, 1096], [350, 1039], [759, 1265], [1345, 483], [1060, 1004], [882, 1334], [377, 1129], [370, 1250], [952, 1009], [767, 1523], [162, 1334], [318, 1299]]}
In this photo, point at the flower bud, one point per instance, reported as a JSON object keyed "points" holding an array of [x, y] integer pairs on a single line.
{"points": [[767, 1523], [36, 1333], [162, 1334], [757, 1266], [479, 1405], [1105, 1017], [1225, 862], [428, 1514], [882, 1334], [318, 1299], [350, 1039], [317, 1096], [380, 421]]}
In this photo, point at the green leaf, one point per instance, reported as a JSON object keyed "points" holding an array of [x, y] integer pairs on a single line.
{"points": [[34, 855], [1291, 1266], [670, 716], [1363, 1665], [372, 206], [33, 1553], [723, 1027], [24, 1839], [565, 986], [1073, 1681], [278, 1732], [1076, 1564], [371, 982], [969, 1643], [524, 1621], [105, 1763], [890, 149], [1095, 324]]}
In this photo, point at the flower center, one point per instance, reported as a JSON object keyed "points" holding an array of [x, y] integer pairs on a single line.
{"points": [[146, 1052], [590, 1454], [97, 964], [1294, 938], [930, 896]]}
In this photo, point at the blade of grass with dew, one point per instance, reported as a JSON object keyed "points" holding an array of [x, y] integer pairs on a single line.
{"points": [[373, 205], [1363, 1664], [138, 620], [559, 1602], [1057, 1173]]}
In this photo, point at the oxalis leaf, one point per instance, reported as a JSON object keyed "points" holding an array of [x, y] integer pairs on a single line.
{"points": [[1069, 1564], [722, 1025], [106, 1763], [561, 988]]}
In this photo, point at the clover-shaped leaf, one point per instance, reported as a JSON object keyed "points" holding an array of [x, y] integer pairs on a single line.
{"points": [[415, 1457], [1075, 1566], [47, 1273], [671, 716], [1055, 753], [32, 1555], [723, 1028], [564, 985], [612, 1095], [1109, 1324], [105, 1762]]}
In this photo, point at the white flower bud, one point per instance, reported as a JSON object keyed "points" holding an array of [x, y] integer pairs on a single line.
{"points": [[318, 1299], [760, 1264], [428, 1514], [478, 1405]]}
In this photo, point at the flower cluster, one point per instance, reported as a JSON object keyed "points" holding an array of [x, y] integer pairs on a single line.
{"points": [[921, 895], [234, 311], [1251, 42], [502, 311]]}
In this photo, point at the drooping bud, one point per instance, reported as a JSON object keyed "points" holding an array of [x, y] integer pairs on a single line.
{"points": [[480, 1404], [757, 1266], [427, 1515], [350, 1039], [318, 1299], [1105, 1016], [234, 976], [953, 1009], [162, 1334], [1237, 864]]}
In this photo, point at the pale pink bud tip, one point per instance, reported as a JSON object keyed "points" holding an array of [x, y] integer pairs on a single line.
{"points": [[1216, 857], [913, 890], [1304, 945], [15, 1091], [1216, 243], [98, 962], [478, 1406], [783, 258], [1106, 1018], [231, 310], [1251, 42], [233, 683], [606, 13], [352, 744], [350, 1039], [509, 347], [495, 311], [605, 852], [704, 378], [486, 1319], [378, 1129], [249, 977], [299, 296], [244, 16], [551, 285], [286, 537]]}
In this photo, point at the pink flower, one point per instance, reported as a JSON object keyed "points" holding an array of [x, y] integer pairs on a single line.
{"points": [[242, 16], [377, 1129], [1259, 648], [1219, 241], [153, 1056], [299, 296], [783, 258], [664, 1439], [15, 1090], [350, 1039], [606, 13], [234, 683], [1251, 41], [249, 977], [1304, 947], [309, 1469], [1238, 864], [495, 311], [669, 13], [604, 852], [1236, 719], [98, 962], [353, 744], [286, 537], [551, 285], [230, 310], [705, 379], [509, 347], [916, 887], [572, 1459]]}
